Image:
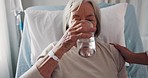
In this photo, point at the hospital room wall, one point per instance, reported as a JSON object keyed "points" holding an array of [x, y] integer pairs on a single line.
{"points": [[28, 3]]}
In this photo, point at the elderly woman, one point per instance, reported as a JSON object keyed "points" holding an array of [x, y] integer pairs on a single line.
{"points": [[62, 60]]}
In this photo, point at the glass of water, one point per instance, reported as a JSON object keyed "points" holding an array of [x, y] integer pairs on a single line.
{"points": [[87, 47]]}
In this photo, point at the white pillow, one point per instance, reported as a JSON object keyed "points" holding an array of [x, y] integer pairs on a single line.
{"points": [[112, 24], [46, 27]]}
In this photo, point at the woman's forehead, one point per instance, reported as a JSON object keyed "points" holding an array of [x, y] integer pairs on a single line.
{"points": [[85, 8]]}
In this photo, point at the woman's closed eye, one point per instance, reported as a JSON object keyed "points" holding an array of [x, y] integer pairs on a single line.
{"points": [[90, 20], [77, 19]]}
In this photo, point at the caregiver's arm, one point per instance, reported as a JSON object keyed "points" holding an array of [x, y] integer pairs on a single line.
{"points": [[131, 57]]}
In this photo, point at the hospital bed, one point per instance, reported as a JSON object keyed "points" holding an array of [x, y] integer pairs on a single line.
{"points": [[131, 33]]}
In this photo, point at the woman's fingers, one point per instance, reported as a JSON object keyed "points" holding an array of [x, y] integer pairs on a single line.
{"points": [[84, 35], [79, 35], [82, 27]]}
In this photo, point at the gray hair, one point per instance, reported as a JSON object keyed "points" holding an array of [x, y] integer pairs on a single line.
{"points": [[74, 4]]}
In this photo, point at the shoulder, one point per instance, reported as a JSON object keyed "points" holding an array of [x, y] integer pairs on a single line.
{"points": [[114, 53], [108, 47]]}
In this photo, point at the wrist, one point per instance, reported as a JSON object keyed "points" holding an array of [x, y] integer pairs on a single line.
{"points": [[131, 57], [51, 54], [58, 52]]}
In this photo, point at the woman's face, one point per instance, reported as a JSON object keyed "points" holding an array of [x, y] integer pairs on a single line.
{"points": [[84, 12]]}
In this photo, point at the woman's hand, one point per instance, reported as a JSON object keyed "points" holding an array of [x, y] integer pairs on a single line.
{"points": [[77, 30]]}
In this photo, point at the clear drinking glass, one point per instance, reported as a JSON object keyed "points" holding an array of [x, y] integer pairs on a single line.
{"points": [[87, 47]]}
